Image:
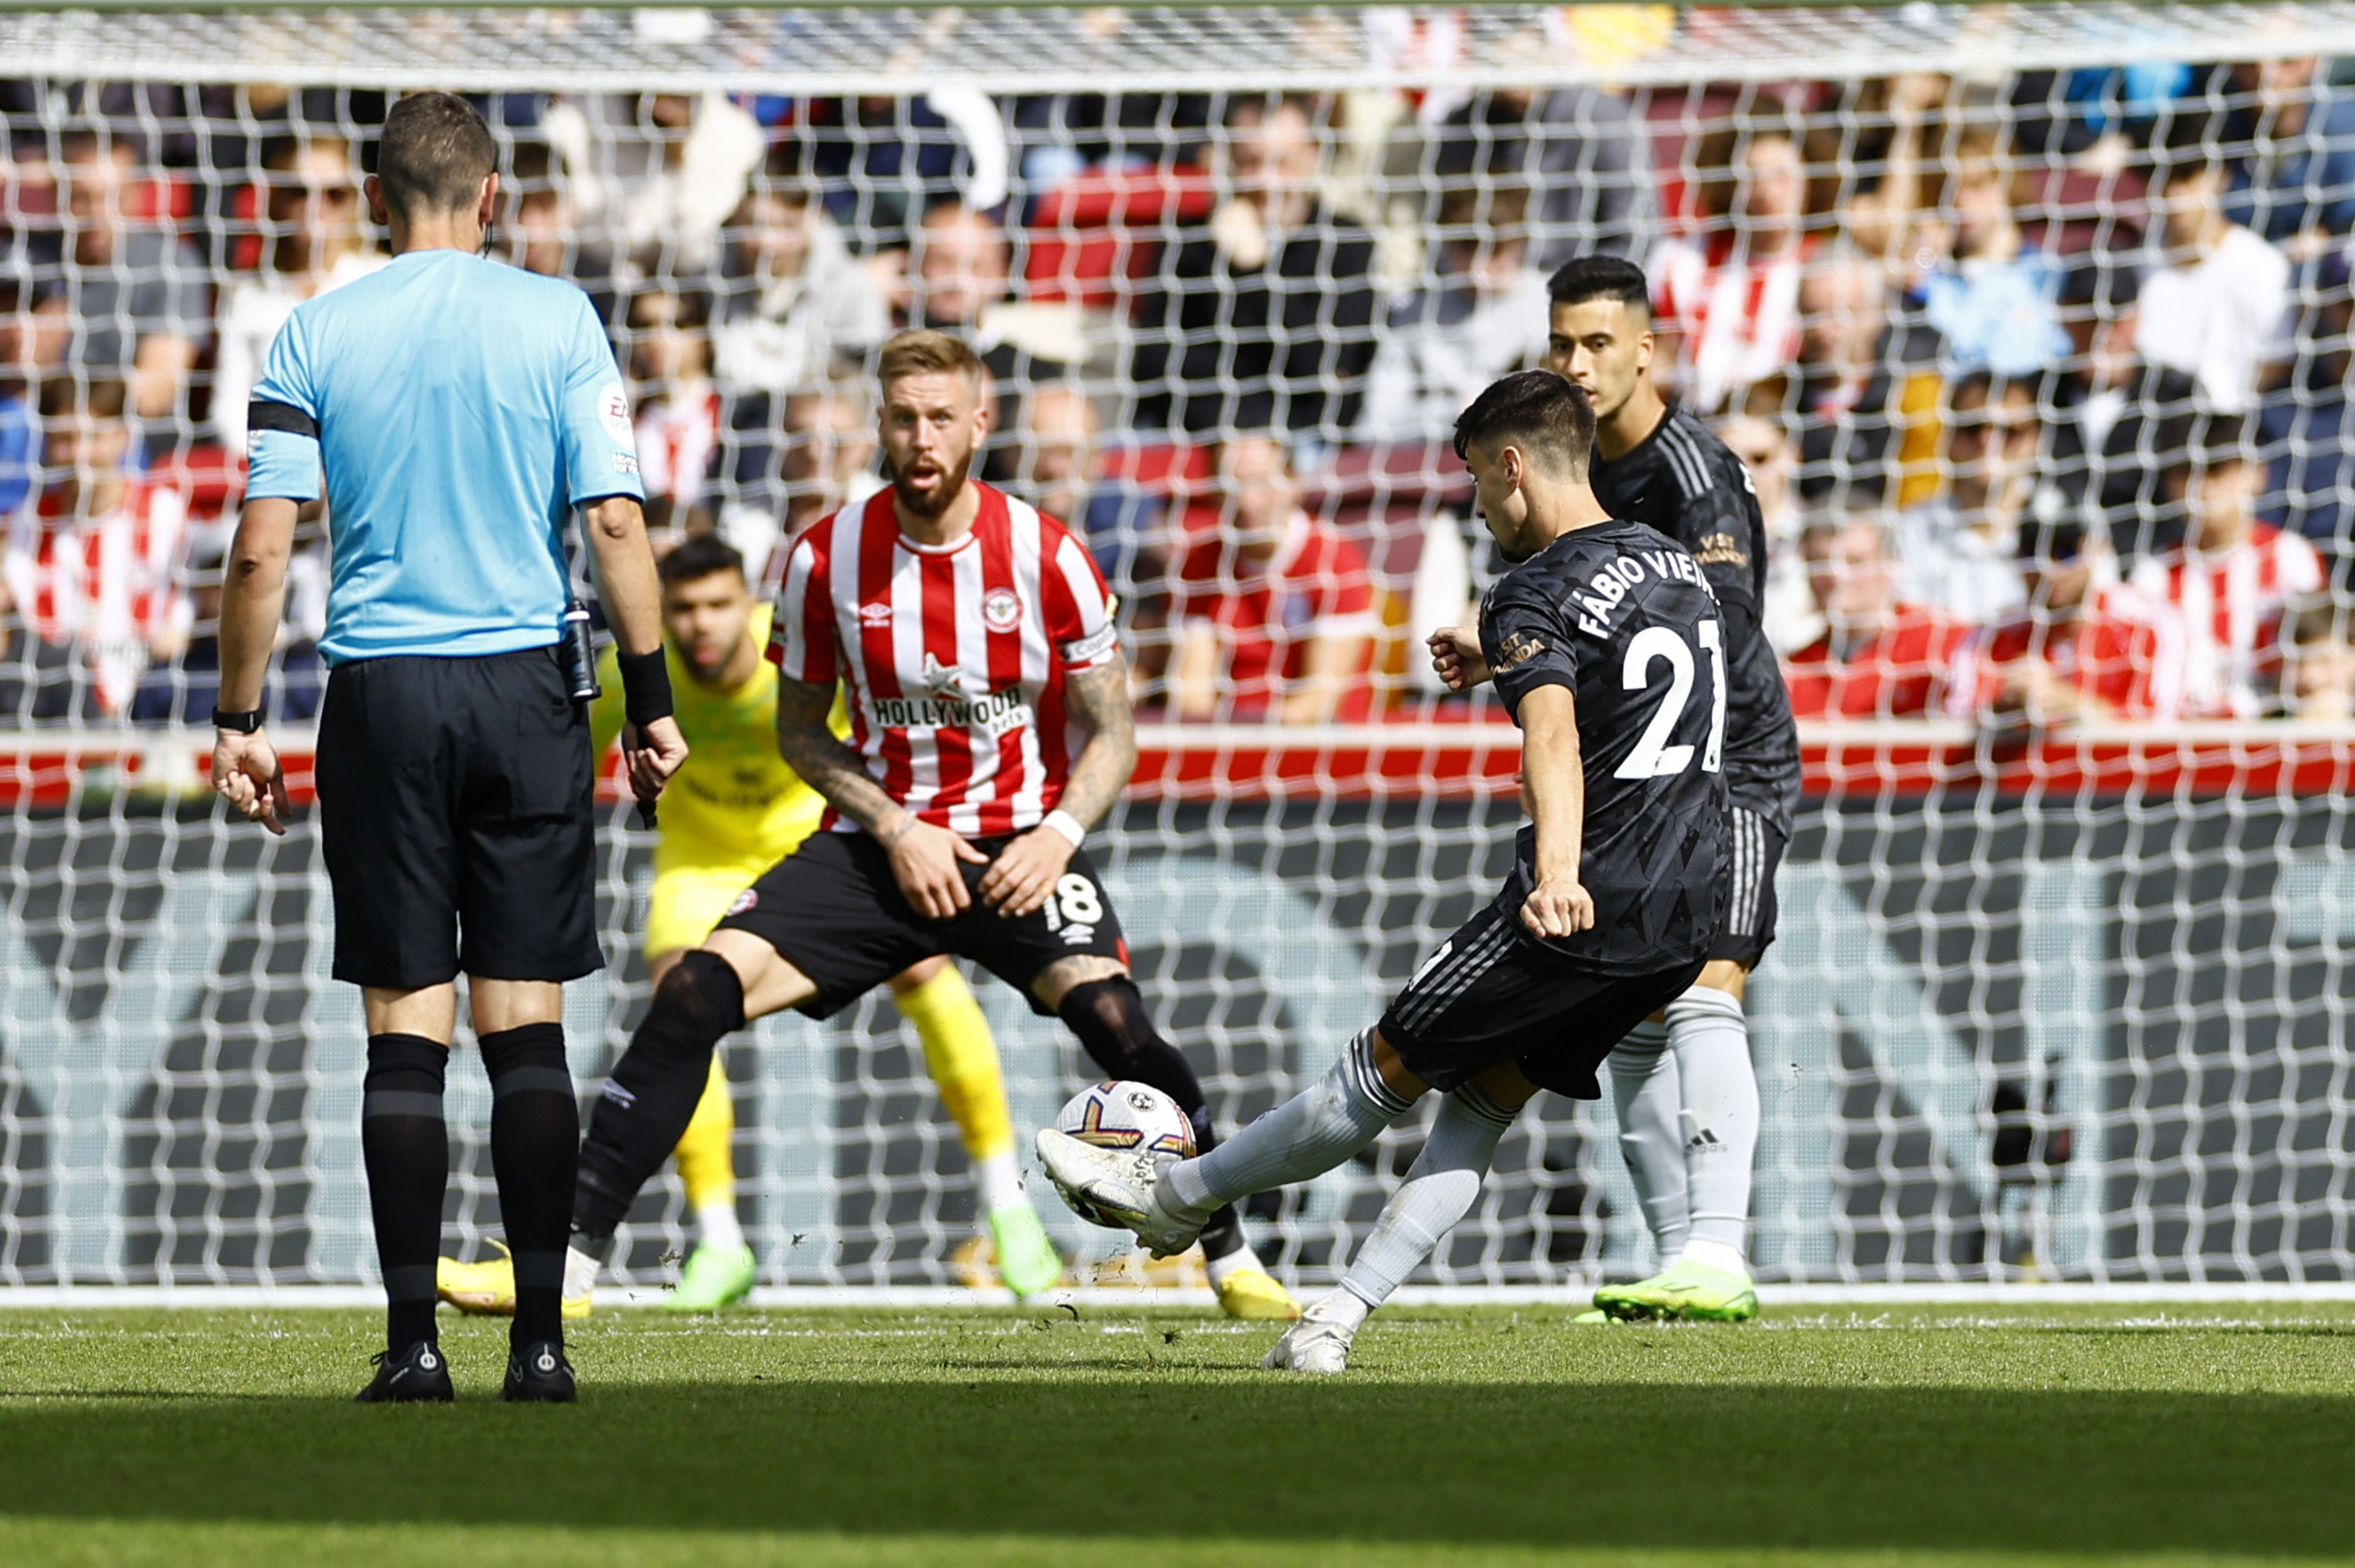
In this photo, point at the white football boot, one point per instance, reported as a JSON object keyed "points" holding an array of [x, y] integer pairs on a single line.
{"points": [[1119, 1187], [1318, 1343]]}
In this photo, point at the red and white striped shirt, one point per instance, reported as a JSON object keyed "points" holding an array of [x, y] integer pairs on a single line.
{"points": [[2230, 604], [953, 658], [105, 584]]}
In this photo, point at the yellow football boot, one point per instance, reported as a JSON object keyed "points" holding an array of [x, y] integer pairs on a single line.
{"points": [[486, 1289], [1252, 1295]]}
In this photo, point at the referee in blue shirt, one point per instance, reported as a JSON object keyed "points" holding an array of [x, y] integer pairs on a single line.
{"points": [[460, 410]]}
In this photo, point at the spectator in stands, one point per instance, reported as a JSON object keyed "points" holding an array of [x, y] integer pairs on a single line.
{"points": [[20, 420], [1580, 150], [2218, 310], [1264, 318], [185, 688], [1956, 551], [1481, 317], [1990, 295], [1878, 657], [2309, 424], [1846, 395], [2231, 579], [135, 297], [1728, 299], [2084, 645], [1789, 616], [657, 174], [2318, 673], [795, 307], [1276, 611], [92, 564], [829, 453], [546, 235], [795, 310], [2295, 185], [316, 243], [678, 406]]}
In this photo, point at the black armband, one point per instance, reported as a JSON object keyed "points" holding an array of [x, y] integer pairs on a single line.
{"points": [[646, 687], [269, 414]]}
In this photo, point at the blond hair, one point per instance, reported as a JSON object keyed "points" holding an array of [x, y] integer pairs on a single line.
{"points": [[926, 352]]}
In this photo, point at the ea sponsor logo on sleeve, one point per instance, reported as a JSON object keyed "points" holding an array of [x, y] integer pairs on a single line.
{"points": [[613, 406], [1001, 607]]}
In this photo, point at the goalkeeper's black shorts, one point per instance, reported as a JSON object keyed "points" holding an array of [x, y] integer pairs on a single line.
{"points": [[457, 820]]}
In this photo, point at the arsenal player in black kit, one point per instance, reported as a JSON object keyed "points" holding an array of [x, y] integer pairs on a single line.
{"points": [[1683, 1086], [1607, 646]]}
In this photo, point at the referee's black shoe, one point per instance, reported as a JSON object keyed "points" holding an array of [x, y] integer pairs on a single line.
{"points": [[540, 1374], [418, 1375]]}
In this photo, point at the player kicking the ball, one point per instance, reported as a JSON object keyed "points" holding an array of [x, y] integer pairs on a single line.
{"points": [[731, 812], [1605, 644], [1683, 1085], [989, 725]]}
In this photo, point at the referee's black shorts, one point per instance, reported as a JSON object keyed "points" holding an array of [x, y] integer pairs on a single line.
{"points": [[456, 817]]}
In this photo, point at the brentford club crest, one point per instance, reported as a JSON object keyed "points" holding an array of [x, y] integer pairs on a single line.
{"points": [[744, 901], [1000, 608]]}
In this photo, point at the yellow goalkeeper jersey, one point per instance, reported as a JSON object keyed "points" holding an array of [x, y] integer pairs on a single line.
{"points": [[734, 803]]}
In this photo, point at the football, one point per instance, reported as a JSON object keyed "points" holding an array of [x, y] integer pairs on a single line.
{"points": [[1126, 1115]]}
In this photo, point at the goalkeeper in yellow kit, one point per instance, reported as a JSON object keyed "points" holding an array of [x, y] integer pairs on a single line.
{"points": [[732, 811]]}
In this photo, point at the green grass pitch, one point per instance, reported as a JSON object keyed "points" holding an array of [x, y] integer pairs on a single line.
{"points": [[1936, 1436]]}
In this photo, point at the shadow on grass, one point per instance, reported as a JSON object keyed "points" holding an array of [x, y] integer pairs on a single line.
{"points": [[1598, 1464]]}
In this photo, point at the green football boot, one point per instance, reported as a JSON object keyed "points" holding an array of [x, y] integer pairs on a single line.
{"points": [[1027, 1260], [1686, 1291], [714, 1276]]}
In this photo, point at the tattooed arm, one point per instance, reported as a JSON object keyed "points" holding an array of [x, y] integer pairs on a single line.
{"points": [[1025, 872], [924, 858]]}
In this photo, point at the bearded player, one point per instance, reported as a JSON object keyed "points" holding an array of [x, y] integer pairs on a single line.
{"points": [[990, 727], [1684, 1087], [1605, 645], [742, 812]]}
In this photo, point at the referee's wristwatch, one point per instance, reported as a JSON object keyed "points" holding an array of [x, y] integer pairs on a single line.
{"points": [[244, 723]]}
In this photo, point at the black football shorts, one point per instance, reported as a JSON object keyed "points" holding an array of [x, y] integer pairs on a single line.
{"points": [[833, 909], [457, 821], [1754, 853], [1493, 992]]}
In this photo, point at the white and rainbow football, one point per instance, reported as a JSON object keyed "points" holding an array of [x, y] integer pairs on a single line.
{"points": [[1125, 1115]]}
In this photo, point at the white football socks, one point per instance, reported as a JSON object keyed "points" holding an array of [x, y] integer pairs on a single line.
{"points": [[716, 1225], [1710, 1039], [1645, 1092], [1439, 1189], [997, 1181], [580, 1274], [1306, 1136]]}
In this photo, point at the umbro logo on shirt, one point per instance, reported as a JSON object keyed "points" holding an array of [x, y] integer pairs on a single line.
{"points": [[878, 615]]}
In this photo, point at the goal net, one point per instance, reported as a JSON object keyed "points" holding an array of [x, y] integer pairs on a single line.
{"points": [[2051, 1002]]}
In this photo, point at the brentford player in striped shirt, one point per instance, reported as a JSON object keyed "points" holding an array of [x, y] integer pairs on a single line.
{"points": [[989, 727]]}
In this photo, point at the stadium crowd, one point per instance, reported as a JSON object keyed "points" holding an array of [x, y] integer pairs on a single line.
{"points": [[2043, 380]]}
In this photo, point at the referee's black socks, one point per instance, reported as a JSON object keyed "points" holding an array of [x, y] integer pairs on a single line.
{"points": [[651, 1097], [1109, 1017], [405, 1146], [534, 1141]]}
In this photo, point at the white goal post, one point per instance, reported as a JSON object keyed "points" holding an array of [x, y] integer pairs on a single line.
{"points": [[2069, 1010]]}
